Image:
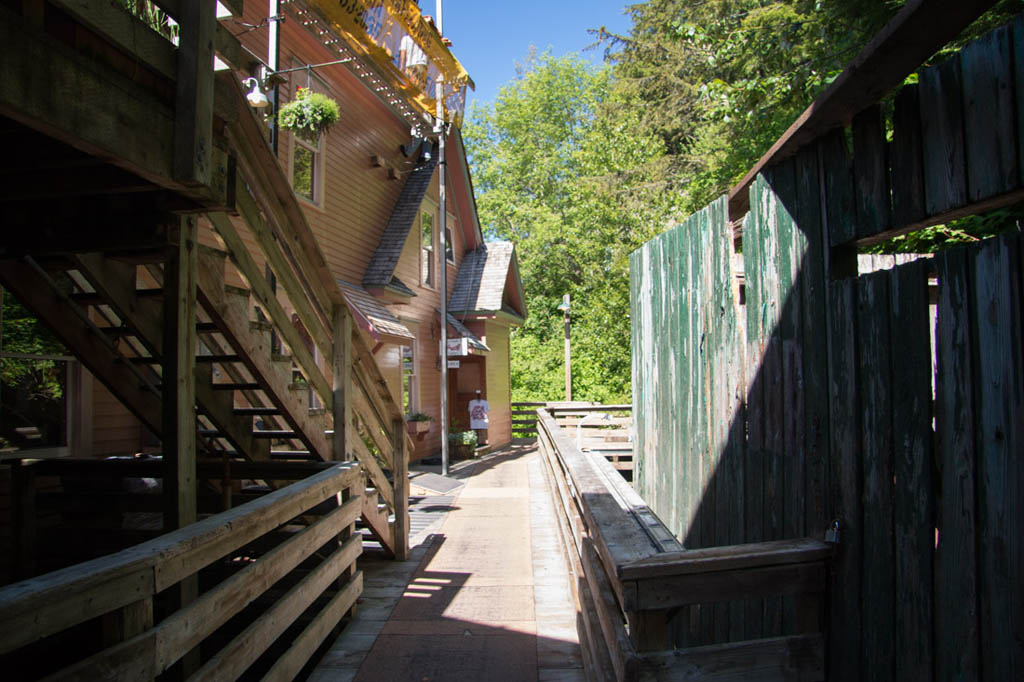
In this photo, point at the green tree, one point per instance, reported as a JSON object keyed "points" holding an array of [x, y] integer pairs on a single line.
{"points": [[563, 173]]}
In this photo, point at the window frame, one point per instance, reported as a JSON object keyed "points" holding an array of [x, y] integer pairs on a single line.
{"points": [[428, 253], [410, 391], [317, 163], [449, 252]]}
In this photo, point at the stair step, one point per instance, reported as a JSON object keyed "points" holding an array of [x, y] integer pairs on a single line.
{"points": [[206, 327], [218, 358], [305, 455], [269, 433], [237, 387], [211, 433], [94, 298], [117, 332], [256, 411]]}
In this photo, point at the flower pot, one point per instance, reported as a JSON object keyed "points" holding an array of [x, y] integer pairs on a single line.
{"points": [[415, 428]]}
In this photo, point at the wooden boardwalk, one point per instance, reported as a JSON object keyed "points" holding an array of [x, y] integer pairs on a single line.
{"points": [[485, 596]]}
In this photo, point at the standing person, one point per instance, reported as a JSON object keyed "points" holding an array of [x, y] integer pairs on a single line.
{"points": [[412, 61], [478, 411]]}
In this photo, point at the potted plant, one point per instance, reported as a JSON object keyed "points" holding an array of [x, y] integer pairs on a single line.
{"points": [[310, 112], [418, 423], [462, 443]]}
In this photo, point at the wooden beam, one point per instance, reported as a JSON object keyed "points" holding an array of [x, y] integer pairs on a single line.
{"points": [[400, 469], [916, 33], [95, 109], [800, 657], [193, 110], [342, 366], [178, 381]]}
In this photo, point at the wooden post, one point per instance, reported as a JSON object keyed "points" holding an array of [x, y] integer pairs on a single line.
{"points": [[23, 489], [179, 396], [193, 115], [342, 359], [568, 351], [648, 630], [127, 621], [400, 467]]}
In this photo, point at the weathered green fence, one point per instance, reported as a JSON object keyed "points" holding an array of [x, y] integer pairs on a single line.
{"points": [[767, 409]]}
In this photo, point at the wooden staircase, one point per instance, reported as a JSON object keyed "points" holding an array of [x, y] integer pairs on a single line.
{"points": [[281, 373]]}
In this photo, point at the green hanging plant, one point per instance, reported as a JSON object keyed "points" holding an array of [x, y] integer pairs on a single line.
{"points": [[309, 112]]}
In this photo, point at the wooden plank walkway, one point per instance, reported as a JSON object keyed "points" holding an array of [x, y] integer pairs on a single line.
{"points": [[483, 597]]}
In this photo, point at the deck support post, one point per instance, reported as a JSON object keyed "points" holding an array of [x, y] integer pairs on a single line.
{"points": [[648, 630], [400, 467], [179, 393], [193, 112]]}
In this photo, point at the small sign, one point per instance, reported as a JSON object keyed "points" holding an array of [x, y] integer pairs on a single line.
{"points": [[454, 364], [458, 346]]}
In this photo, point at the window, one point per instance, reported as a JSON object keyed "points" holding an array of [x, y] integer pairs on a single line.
{"points": [[307, 157], [449, 247], [410, 384], [427, 266]]}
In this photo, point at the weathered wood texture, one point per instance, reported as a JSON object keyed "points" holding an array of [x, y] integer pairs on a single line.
{"points": [[861, 399], [127, 584], [633, 574]]}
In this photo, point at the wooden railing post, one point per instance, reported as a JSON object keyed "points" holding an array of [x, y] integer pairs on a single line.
{"points": [[23, 497], [179, 395], [342, 363], [400, 468]]}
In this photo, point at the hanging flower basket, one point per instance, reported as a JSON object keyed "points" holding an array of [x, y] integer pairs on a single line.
{"points": [[309, 112]]}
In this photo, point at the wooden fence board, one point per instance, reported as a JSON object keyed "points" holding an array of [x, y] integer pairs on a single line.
{"points": [[813, 333], [995, 272], [945, 179], [845, 615], [907, 179], [870, 172], [956, 607], [874, 379], [1018, 91], [839, 207], [988, 115], [914, 522]]}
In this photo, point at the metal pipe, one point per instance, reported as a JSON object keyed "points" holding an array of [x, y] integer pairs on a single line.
{"points": [[439, 126]]}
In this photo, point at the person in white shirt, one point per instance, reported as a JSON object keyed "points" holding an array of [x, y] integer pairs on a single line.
{"points": [[412, 61], [478, 411]]}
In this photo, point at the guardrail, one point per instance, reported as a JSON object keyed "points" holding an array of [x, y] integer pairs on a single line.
{"points": [[633, 578], [278, 554]]}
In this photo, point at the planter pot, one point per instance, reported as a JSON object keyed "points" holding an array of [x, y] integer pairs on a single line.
{"points": [[415, 428]]}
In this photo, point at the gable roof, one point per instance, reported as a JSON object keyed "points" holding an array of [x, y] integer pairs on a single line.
{"points": [[382, 267], [483, 277]]}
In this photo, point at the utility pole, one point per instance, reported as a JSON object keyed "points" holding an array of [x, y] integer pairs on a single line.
{"points": [[440, 127]]}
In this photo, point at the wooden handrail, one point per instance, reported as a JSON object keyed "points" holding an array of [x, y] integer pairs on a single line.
{"points": [[632, 571], [38, 607]]}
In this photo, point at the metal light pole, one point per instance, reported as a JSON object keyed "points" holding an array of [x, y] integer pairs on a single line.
{"points": [[439, 127], [565, 308]]}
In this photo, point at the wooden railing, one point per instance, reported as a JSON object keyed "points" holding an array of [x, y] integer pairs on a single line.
{"points": [[605, 430], [633, 578], [282, 552]]}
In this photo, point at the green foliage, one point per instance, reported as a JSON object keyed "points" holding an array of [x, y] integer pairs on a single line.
{"points": [[467, 438], [310, 112], [563, 172], [419, 417]]}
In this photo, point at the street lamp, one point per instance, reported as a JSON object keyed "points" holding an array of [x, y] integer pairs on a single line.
{"points": [[565, 308]]}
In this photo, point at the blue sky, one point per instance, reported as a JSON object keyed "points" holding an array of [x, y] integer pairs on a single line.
{"points": [[489, 37]]}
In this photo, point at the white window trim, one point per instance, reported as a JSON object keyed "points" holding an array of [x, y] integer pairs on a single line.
{"points": [[427, 206], [414, 377], [318, 170], [450, 226]]}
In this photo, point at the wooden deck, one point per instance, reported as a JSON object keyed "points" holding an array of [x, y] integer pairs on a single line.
{"points": [[485, 594]]}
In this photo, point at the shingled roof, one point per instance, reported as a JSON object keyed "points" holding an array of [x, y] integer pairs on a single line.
{"points": [[480, 286], [381, 324], [389, 250]]}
